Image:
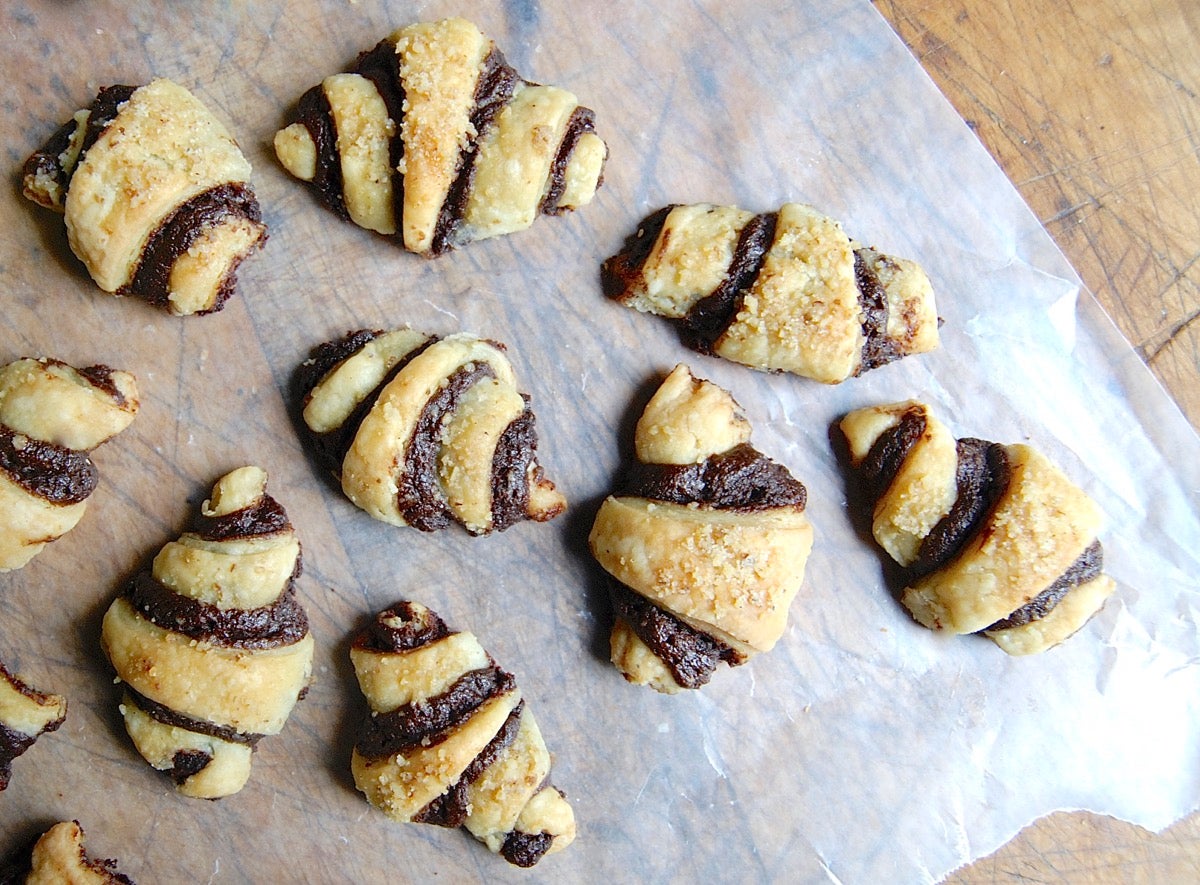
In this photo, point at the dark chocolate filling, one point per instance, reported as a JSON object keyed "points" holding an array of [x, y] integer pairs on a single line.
{"points": [[12, 744], [525, 849], [889, 451], [272, 626], [739, 479], [174, 719], [982, 476], [101, 377], [418, 496], [623, 270], [102, 113], [450, 809], [47, 160], [332, 447], [180, 230], [710, 316], [494, 90], [53, 473], [429, 721], [415, 630], [878, 349], [314, 112], [186, 763], [1087, 567], [582, 121], [511, 462], [381, 66], [264, 517], [690, 655]]}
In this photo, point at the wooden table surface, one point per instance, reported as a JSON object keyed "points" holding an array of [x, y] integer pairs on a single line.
{"points": [[1092, 109]]}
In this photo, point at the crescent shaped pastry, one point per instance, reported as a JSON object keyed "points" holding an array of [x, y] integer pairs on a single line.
{"points": [[425, 430], [432, 138], [783, 291], [156, 196], [25, 715], [51, 416], [995, 538], [706, 545], [58, 858], [450, 740], [211, 643]]}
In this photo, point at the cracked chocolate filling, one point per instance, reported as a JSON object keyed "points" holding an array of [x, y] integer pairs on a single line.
{"points": [[315, 114], [53, 473], [1086, 568], [418, 495], [878, 349], [982, 475], [429, 721], [451, 808], [494, 90], [690, 655], [402, 628], [710, 316], [525, 849], [511, 464], [265, 517], [740, 479], [181, 229], [381, 66], [174, 719], [581, 122], [271, 626]]}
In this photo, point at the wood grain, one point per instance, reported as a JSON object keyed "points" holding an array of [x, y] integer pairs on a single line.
{"points": [[1092, 109]]}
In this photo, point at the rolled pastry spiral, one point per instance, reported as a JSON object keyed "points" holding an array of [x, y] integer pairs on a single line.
{"points": [[156, 196], [212, 643], [51, 416], [450, 741], [25, 715], [782, 291], [706, 545], [434, 139], [424, 430], [995, 538], [58, 858]]}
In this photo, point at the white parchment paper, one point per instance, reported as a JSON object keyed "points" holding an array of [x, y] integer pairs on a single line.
{"points": [[863, 748]]}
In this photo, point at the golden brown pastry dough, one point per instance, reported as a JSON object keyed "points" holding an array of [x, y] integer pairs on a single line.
{"points": [[25, 715], [434, 139], [450, 741], [423, 430], [211, 643], [156, 196], [58, 858], [995, 538], [51, 416], [784, 291], [707, 544]]}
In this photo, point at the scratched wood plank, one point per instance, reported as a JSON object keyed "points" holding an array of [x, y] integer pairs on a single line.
{"points": [[1092, 110]]}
